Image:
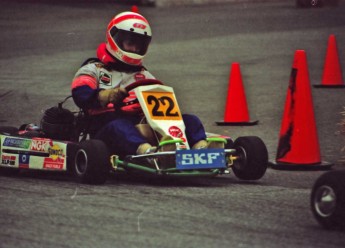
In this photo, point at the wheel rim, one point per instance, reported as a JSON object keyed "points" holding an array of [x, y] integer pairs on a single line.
{"points": [[325, 201], [242, 158], [314, 2], [81, 162]]}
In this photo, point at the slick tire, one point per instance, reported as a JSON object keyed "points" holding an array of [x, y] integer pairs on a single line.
{"points": [[328, 200], [91, 162], [253, 158]]}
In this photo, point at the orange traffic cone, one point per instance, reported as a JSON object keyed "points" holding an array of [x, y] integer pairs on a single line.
{"points": [[236, 110], [332, 76], [298, 146]]}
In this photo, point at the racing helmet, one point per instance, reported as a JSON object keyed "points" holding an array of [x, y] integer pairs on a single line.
{"points": [[128, 37]]}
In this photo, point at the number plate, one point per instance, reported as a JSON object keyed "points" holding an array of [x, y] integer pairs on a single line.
{"points": [[200, 159], [162, 105]]}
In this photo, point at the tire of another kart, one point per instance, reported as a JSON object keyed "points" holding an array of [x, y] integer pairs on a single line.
{"points": [[328, 200], [253, 158], [309, 3], [91, 162]]}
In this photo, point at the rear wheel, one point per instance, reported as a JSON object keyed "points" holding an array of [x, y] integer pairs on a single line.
{"points": [[328, 200], [91, 162], [229, 143], [9, 171], [252, 158]]}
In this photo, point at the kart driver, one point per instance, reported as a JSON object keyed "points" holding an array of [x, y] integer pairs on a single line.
{"points": [[100, 83]]}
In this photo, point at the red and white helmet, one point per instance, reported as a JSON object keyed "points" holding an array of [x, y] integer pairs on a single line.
{"points": [[132, 28]]}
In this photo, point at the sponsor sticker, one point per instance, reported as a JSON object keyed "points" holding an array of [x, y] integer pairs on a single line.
{"points": [[55, 152], [139, 76], [8, 160], [200, 159], [139, 25], [53, 164], [18, 143], [24, 161], [105, 78], [41, 144], [176, 132]]}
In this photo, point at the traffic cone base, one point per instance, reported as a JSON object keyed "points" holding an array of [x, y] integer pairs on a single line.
{"points": [[328, 86], [247, 123], [323, 165]]}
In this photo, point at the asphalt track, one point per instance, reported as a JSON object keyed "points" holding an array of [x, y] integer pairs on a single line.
{"points": [[42, 45]]}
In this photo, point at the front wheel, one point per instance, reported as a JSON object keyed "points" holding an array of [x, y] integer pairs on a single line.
{"points": [[309, 3], [252, 160], [328, 200], [91, 162]]}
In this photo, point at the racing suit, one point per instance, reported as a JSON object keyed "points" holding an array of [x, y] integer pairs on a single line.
{"points": [[116, 128]]}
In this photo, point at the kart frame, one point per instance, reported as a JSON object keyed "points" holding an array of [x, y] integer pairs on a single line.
{"points": [[90, 160]]}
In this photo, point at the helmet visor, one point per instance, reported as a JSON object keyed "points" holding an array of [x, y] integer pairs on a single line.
{"points": [[131, 42]]}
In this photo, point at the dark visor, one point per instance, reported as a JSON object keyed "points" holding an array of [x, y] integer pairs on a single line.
{"points": [[139, 41]]}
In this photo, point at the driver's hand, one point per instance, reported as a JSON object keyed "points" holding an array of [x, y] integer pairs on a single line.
{"points": [[115, 95]]}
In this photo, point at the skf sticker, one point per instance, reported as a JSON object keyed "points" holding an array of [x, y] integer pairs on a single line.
{"points": [[200, 158], [105, 78]]}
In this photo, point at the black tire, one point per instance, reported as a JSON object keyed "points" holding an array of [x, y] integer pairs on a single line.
{"points": [[328, 200], [10, 172], [8, 130], [253, 158], [72, 149], [229, 144], [309, 3], [333, 3], [91, 162]]}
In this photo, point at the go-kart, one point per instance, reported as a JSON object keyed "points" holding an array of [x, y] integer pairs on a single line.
{"points": [[328, 200], [90, 161]]}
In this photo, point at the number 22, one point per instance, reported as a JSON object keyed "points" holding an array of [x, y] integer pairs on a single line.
{"points": [[157, 104]]}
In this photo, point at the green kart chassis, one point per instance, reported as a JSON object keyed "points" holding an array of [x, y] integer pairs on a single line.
{"points": [[90, 162], [124, 165]]}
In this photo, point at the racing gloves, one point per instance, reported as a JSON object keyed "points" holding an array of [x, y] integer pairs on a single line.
{"points": [[115, 95]]}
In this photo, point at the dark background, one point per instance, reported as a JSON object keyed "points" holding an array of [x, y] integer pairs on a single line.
{"points": [[43, 43]]}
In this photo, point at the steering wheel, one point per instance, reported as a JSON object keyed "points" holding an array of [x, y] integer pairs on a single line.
{"points": [[143, 82]]}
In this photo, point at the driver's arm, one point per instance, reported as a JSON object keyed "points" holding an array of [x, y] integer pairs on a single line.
{"points": [[85, 92], [115, 95]]}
